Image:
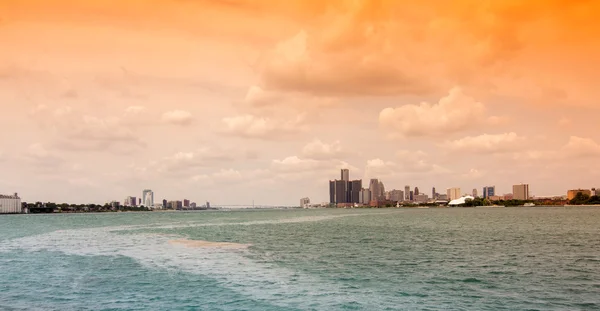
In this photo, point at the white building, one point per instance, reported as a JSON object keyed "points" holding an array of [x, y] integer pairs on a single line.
{"points": [[453, 193], [148, 197], [460, 201], [10, 204], [305, 202]]}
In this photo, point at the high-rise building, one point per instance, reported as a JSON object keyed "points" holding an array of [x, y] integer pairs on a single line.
{"points": [[416, 190], [345, 174], [130, 201], [433, 193], [374, 188], [164, 203], [186, 203], [355, 187], [411, 196], [148, 197], [304, 202], [489, 191], [365, 196], [421, 198], [453, 193], [332, 191], [381, 191], [521, 192], [397, 195], [474, 193], [407, 193]]}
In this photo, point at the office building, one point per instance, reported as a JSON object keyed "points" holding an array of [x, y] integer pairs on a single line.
{"points": [[474, 193], [416, 190], [521, 192], [148, 197], [406, 193], [130, 201], [365, 196], [453, 193], [381, 191], [411, 196], [441, 197], [304, 202], [345, 175], [421, 198], [193, 205], [186, 203], [164, 203], [571, 194], [489, 191], [396, 195], [355, 187], [374, 188], [10, 204], [433, 193]]}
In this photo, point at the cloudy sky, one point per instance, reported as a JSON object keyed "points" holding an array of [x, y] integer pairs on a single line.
{"points": [[235, 100]]}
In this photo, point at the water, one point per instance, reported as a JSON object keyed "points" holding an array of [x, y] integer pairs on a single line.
{"points": [[391, 259]]}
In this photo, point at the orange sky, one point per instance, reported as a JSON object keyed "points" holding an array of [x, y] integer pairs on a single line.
{"points": [[184, 95]]}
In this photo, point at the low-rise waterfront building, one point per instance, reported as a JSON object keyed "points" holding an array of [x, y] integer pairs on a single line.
{"points": [[571, 194], [304, 202]]}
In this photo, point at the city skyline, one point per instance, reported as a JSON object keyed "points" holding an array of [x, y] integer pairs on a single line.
{"points": [[235, 101]]}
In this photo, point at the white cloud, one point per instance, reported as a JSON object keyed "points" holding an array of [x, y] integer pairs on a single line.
{"points": [[250, 126], [486, 143], [177, 117], [578, 147], [319, 150], [473, 174], [39, 156], [186, 162], [454, 113]]}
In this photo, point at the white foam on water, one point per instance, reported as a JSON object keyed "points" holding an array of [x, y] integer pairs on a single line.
{"points": [[229, 266]]}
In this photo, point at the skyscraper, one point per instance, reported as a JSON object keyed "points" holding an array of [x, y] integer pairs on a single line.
{"points": [[355, 187], [407, 193], [416, 190], [453, 193], [433, 196], [381, 191], [521, 192], [489, 191], [345, 174], [374, 188], [148, 197]]}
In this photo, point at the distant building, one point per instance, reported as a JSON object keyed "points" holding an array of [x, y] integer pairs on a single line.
{"points": [[521, 192], [411, 196], [416, 190], [433, 193], [407, 193], [115, 204], [381, 196], [148, 197], [164, 203], [474, 193], [374, 188], [304, 202], [571, 194], [193, 205], [130, 201], [442, 197], [397, 195], [186, 203], [453, 193], [354, 188], [207, 204], [345, 174], [365, 196], [421, 198], [10, 204], [489, 191]]}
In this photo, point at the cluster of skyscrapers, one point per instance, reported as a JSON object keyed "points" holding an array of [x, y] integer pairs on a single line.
{"points": [[346, 192], [146, 200]]}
